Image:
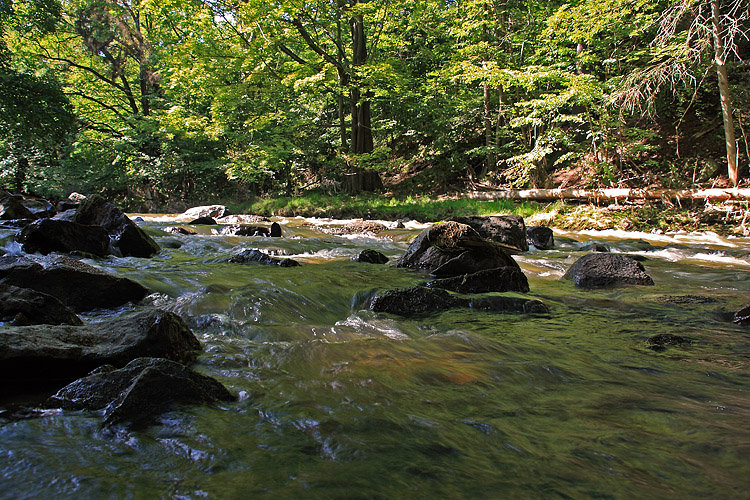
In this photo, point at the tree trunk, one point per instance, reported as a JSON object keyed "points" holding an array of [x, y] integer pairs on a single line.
{"points": [[487, 133], [726, 100], [360, 106]]}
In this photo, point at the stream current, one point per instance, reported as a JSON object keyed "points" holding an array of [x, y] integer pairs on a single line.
{"points": [[336, 401]]}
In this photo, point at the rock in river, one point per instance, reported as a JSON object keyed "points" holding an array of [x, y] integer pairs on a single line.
{"points": [[126, 236], [598, 270], [453, 249], [55, 235], [499, 279], [254, 255], [23, 306], [508, 230], [370, 256], [140, 391], [541, 237], [46, 354], [419, 300], [742, 317], [77, 285]]}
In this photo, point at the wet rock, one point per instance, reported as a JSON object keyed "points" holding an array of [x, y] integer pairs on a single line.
{"points": [[242, 219], [419, 300], [498, 303], [371, 257], [595, 247], [499, 279], [247, 230], [541, 237], [51, 235], [606, 270], [357, 227], [12, 207], [203, 221], [684, 299], [413, 301], [452, 249], [173, 243], [23, 306], [127, 238], [742, 317], [39, 208], [663, 340], [44, 355], [16, 223], [66, 205], [189, 231], [211, 211], [508, 230], [67, 215], [256, 256], [77, 285], [140, 391]]}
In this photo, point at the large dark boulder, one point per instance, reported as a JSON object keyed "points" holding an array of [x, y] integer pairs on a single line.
{"points": [[54, 235], [541, 237], [22, 306], [77, 285], [140, 391], [203, 221], [256, 256], [45, 354], [452, 249], [12, 207], [420, 300], [742, 317], [508, 230], [39, 207], [127, 238], [499, 279], [370, 256], [598, 270]]}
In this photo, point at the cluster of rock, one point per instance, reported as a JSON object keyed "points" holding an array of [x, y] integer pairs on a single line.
{"points": [[463, 260], [44, 344], [232, 225], [92, 226]]}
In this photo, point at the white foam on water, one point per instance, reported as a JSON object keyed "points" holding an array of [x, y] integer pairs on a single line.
{"points": [[671, 238]]}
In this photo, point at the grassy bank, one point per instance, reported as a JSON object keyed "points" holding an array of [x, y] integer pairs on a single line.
{"points": [[726, 219]]}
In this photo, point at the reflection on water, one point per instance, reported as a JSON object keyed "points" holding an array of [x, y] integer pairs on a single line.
{"points": [[340, 402]]}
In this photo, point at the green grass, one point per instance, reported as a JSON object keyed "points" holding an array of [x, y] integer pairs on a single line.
{"points": [[421, 208]]}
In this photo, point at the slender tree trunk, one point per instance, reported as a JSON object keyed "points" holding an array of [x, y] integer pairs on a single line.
{"points": [[361, 123], [726, 100], [487, 133]]}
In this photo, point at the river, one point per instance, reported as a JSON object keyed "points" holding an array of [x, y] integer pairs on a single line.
{"points": [[336, 401]]}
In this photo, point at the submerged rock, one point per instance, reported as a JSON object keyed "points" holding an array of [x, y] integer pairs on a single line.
{"points": [[541, 237], [127, 238], [499, 279], [23, 306], [46, 354], [598, 270], [663, 340], [140, 391], [256, 256], [419, 300], [55, 235], [508, 230], [371, 257], [77, 285]]}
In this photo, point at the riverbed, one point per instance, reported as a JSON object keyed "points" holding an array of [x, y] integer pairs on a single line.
{"points": [[336, 401]]}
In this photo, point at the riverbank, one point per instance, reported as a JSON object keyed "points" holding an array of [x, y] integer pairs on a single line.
{"points": [[725, 218]]}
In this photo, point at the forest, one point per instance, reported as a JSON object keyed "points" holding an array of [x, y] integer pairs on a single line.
{"points": [[157, 103]]}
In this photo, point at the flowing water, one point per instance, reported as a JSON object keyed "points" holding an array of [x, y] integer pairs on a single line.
{"points": [[336, 401]]}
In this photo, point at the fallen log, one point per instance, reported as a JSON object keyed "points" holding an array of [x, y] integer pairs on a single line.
{"points": [[614, 195]]}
